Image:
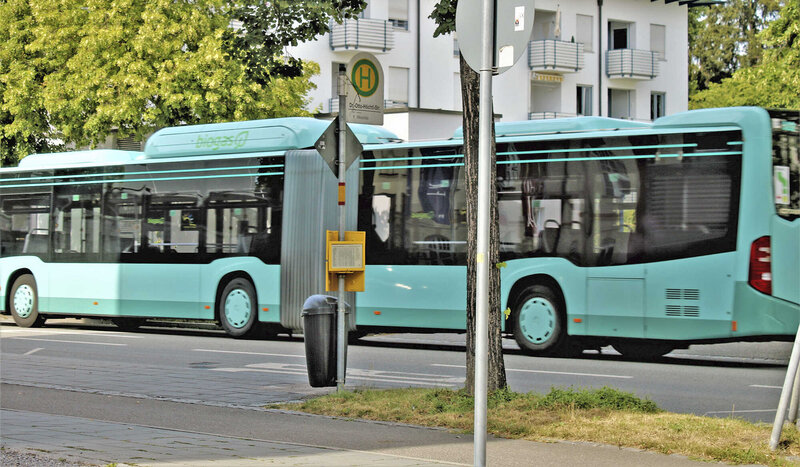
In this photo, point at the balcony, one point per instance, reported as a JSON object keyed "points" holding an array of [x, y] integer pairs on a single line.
{"points": [[632, 64], [548, 115], [371, 35], [553, 55]]}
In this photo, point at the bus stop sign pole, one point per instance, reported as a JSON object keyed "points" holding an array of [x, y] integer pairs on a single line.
{"points": [[506, 27], [341, 317]]}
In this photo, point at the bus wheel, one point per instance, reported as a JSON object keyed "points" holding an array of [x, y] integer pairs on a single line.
{"points": [[24, 301], [645, 351], [237, 307], [128, 324], [538, 321]]}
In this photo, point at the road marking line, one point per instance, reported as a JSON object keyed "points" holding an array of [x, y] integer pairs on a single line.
{"points": [[67, 342], [75, 332], [548, 372], [764, 386], [303, 373], [249, 353], [30, 352]]}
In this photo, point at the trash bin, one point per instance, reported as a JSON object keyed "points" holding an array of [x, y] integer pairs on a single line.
{"points": [[319, 334]]}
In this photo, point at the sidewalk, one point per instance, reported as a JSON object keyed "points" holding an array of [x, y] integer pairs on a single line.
{"points": [[315, 441]]}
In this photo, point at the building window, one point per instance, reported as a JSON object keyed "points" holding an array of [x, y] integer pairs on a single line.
{"points": [[456, 47], [619, 36], [584, 101], [620, 103], [657, 105], [398, 14], [657, 40], [585, 32], [457, 100], [398, 85]]}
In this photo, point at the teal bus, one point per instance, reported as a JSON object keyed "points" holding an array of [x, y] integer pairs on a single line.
{"points": [[645, 236]]}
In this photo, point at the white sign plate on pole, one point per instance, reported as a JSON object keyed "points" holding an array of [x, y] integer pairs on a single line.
{"points": [[513, 26], [365, 99]]}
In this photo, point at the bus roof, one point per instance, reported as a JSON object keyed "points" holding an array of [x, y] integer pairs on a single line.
{"points": [[217, 139], [558, 125], [75, 158], [249, 136]]}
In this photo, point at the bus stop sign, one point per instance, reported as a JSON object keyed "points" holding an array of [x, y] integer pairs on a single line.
{"points": [[365, 97]]}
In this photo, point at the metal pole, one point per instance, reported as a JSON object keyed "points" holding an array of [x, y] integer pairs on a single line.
{"points": [[482, 257], [795, 399], [341, 321], [780, 415]]}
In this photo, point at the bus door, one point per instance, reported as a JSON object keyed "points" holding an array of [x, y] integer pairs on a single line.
{"points": [[615, 284], [153, 241]]}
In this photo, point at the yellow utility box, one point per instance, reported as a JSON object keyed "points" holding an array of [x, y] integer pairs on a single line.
{"points": [[345, 257]]}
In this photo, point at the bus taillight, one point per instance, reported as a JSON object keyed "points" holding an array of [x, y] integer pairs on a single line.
{"points": [[761, 266]]}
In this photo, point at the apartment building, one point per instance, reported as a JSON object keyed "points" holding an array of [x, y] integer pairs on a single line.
{"points": [[616, 58]]}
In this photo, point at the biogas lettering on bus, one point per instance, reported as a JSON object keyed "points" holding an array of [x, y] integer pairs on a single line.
{"points": [[223, 142]]}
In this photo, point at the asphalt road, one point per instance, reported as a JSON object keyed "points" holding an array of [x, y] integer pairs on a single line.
{"points": [[206, 367]]}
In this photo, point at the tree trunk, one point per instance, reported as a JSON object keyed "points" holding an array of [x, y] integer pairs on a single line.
{"points": [[470, 94]]}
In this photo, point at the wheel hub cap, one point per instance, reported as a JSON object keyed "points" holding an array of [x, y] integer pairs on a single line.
{"points": [[237, 308], [537, 320], [23, 301]]}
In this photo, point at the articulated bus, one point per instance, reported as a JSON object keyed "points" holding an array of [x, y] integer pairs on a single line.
{"points": [[645, 236]]}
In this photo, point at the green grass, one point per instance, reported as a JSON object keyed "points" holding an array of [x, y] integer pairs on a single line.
{"points": [[603, 415]]}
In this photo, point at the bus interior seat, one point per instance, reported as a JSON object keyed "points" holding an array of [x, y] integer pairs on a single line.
{"points": [[548, 239]]}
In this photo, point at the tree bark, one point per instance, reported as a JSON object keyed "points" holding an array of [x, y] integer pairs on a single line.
{"points": [[470, 94]]}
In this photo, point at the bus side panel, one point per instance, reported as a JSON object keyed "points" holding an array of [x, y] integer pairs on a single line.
{"points": [[34, 264], [785, 255], [690, 298], [266, 278], [84, 289], [569, 277], [414, 296], [758, 314], [161, 291]]}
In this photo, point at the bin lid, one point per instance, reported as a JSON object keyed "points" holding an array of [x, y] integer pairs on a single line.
{"points": [[321, 305]]}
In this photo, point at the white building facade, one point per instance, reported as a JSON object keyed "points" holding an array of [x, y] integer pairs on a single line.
{"points": [[616, 58]]}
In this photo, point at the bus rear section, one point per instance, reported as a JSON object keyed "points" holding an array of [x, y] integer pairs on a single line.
{"points": [[773, 276]]}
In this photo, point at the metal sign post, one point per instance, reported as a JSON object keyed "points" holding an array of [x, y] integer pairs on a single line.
{"points": [[341, 317], [506, 27]]}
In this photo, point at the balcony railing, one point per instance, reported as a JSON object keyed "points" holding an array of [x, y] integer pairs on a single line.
{"points": [[553, 55], [548, 115], [333, 104], [631, 63], [374, 35]]}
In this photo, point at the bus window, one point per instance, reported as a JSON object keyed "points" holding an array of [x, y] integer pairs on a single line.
{"points": [[171, 223], [786, 163], [690, 206], [76, 223], [24, 224]]}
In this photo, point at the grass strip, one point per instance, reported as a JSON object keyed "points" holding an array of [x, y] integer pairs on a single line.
{"points": [[603, 415]]}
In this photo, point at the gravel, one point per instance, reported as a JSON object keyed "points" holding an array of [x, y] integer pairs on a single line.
{"points": [[14, 458]]}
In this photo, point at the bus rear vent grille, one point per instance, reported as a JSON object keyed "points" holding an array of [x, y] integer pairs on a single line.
{"points": [[683, 294], [689, 311]]}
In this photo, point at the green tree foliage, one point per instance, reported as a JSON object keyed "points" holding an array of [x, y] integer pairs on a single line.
{"points": [[269, 26], [775, 81], [75, 70], [724, 38]]}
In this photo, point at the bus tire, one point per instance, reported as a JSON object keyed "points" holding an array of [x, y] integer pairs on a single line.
{"points": [[238, 307], [538, 319], [24, 302]]}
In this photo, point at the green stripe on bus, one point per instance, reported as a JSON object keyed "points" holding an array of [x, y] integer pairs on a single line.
{"points": [[118, 174], [97, 182]]}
